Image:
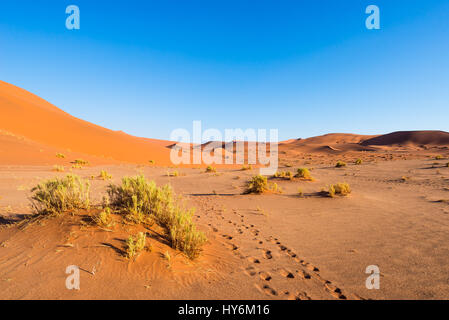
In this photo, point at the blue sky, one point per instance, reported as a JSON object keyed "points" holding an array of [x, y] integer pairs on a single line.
{"points": [[303, 67]]}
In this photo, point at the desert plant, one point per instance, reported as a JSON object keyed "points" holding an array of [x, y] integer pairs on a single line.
{"points": [[439, 157], [58, 168], [104, 175], [258, 184], [340, 164], [134, 245], [103, 218], [173, 174], [284, 174], [60, 155], [211, 169], [358, 161], [151, 161], [81, 162], [303, 173], [57, 195], [248, 167], [300, 193], [143, 199], [342, 189]]}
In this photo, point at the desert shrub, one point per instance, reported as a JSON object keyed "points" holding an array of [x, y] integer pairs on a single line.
{"points": [[439, 157], [58, 168], [57, 195], [60, 156], [248, 167], [300, 192], [303, 173], [358, 161], [173, 174], [340, 164], [211, 169], [104, 175], [284, 175], [103, 218], [342, 189], [151, 161], [81, 162], [134, 245], [258, 184], [143, 199]]}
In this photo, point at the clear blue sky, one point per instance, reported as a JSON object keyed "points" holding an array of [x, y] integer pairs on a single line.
{"points": [[303, 67]]}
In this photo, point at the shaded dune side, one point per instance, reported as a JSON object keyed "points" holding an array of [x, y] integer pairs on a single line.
{"points": [[410, 138], [27, 115]]}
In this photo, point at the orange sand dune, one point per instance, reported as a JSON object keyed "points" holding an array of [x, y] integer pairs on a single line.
{"points": [[410, 138], [25, 114]]}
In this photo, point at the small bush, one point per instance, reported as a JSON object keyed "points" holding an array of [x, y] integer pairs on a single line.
{"points": [[300, 193], [134, 245], [151, 161], [142, 200], [304, 173], [248, 167], [358, 161], [57, 195], [81, 162], [340, 164], [58, 168], [60, 156], [211, 169], [104, 175], [173, 174], [342, 189], [104, 218], [439, 157], [284, 175], [258, 184]]}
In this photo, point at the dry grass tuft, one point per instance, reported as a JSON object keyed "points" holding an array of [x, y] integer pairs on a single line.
{"points": [[340, 164], [135, 245]]}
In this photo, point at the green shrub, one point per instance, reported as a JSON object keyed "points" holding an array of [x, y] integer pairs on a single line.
{"points": [[248, 167], [58, 168], [104, 218], [439, 157], [342, 189], [134, 245], [81, 162], [284, 175], [258, 184], [340, 164], [151, 161], [60, 155], [358, 161], [104, 175], [211, 169], [143, 199], [57, 195], [173, 174], [304, 173]]}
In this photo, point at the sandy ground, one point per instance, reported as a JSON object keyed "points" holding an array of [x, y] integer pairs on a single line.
{"points": [[271, 246]]}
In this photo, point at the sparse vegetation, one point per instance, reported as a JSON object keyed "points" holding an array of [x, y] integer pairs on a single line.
{"points": [[248, 167], [60, 156], [284, 175], [56, 196], [134, 245], [81, 162], [210, 169], [173, 174], [340, 164], [258, 184], [300, 193], [342, 189], [439, 157], [104, 175], [143, 198], [104, 219], [304, 173], [58, 168], [152, 161], [358, 161]]}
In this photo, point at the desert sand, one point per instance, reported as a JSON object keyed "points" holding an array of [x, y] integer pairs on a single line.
{"points": [[268, 246]]}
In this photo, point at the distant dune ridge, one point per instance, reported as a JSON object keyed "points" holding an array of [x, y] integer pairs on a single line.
{"points": [[32, 130]]}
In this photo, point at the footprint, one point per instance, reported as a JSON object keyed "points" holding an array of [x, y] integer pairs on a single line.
{"points": [[251, 271], [267, 254], [303, 274], [227, 237], [282, 248], [253, 260], [232, 246], [286, 273], [334, 291], [265, 276], [268, 290]]}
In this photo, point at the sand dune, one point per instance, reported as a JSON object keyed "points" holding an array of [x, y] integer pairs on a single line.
{"points": [[25, 114], [414, 138]]}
